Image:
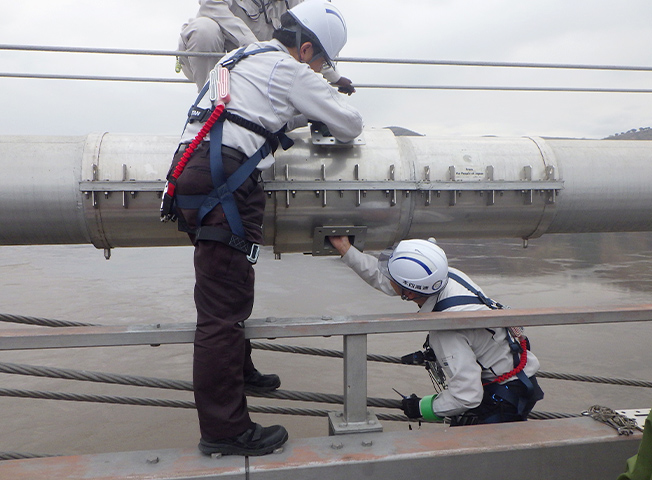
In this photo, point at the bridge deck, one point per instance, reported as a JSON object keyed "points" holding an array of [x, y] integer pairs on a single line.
{"points": [[578, 448]]}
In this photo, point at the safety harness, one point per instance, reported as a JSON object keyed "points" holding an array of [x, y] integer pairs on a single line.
{"points": [[223, 186], [518, 349]]}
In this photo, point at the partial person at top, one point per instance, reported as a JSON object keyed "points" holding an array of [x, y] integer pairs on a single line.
{"points": [[223, 25]]}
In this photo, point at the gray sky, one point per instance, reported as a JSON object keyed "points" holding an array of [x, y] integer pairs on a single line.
{"points": [[536, 31]]}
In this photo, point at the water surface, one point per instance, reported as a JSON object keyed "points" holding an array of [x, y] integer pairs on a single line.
{"points": [[154, 285]]}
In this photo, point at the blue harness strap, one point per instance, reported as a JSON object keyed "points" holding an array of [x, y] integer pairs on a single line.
{"points": [[449, 302], [224, 187], [223, 192], [479, 298]]}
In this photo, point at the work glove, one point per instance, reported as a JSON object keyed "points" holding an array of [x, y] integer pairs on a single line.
{"points": [[344, 85], [415, 407], [410, 406]]}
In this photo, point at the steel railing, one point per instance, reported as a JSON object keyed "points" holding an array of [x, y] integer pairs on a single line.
{"points": [[354, 330]]}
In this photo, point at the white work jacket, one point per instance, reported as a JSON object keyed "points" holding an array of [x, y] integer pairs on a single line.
{"points": [[273, 89], [468, 357]]}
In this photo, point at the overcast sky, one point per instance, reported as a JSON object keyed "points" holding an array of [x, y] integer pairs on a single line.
{"points": [[535, 31]]}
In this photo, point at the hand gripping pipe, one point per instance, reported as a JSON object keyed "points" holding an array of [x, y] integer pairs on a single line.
{"points": [[105, 189]]}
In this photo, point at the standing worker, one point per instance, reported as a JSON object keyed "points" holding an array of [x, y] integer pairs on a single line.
{"points": [[223, 25], [491, 378], [215, 189]]}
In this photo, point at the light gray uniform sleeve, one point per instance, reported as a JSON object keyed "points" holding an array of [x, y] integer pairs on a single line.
{"points": [[366, 266], [233, 28], [330, 74], [316, 100], [463, 373]]}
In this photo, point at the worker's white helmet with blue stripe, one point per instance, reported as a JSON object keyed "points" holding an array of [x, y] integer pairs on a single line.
{"points": [[417, 265], [321, 20]]}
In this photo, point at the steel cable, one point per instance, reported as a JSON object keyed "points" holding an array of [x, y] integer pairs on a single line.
{"points": [[77, 397], [593, 379], [99, 377], [153, 402], [22, 456], [551, 415], [397, 61], [485, 88], [396, 360], [321, 352], [132, 380], [42, 322], [359, 60]]}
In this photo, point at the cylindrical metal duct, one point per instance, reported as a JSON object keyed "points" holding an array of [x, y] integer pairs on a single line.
{"points": [[105, 189]]}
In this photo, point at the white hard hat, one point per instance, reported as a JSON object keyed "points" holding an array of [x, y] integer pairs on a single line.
{"points": [[324, 23], [417, 265]]}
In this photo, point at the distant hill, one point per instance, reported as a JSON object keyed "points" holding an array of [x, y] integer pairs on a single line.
{"points": [[643, 133]]}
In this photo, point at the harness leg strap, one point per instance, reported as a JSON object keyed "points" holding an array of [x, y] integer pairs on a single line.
{"points": [[216, 234]]}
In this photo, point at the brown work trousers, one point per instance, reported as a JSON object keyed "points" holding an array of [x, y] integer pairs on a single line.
{"points": [[224, 298]]}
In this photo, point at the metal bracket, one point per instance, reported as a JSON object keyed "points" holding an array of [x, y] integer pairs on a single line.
{"points": [[321, 136], [337, 424], [638, 416], [322, 246]]}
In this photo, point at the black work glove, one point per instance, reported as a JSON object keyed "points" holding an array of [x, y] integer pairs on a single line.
{"points": [[344, 85], [410, 406]]}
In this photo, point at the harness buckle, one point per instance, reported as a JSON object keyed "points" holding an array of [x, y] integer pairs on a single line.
{"points": [[253, 254], [196, 114]]}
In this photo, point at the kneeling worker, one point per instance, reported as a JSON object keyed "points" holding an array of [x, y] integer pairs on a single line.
{"points": [[490, 377], [220, 202]]}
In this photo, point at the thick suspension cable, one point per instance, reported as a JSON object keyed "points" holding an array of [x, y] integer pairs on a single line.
{"points": [[396, 360], [42, 322], [136, 381], [153, 402]]}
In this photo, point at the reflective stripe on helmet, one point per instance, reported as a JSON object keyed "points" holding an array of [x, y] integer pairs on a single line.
{"points": [[418, 262]]}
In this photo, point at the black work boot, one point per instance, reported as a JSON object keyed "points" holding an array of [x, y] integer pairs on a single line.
{"points": [[255, 441], [256, 382]]}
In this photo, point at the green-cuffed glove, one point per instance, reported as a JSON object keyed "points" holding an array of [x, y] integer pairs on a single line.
{"points": [[415, 407]]}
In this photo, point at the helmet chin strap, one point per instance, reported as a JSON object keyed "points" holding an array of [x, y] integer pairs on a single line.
{"points": [[298, 33], [405, 297]]}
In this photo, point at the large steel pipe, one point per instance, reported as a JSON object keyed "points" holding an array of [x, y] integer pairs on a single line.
{"points": [[105, 189]]}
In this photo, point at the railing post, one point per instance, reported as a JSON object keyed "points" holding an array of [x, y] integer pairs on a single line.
{"points": [[355, 418]]}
